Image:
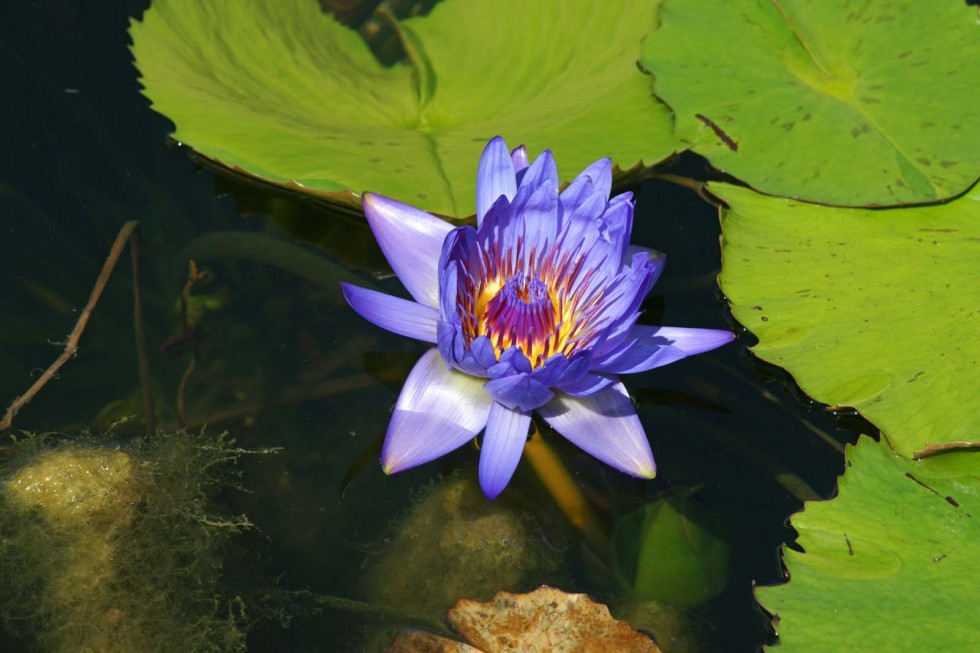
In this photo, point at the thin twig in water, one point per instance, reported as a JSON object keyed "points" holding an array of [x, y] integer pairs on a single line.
{"points": [[142, 356], [193, 278], [127, 233], [692, 184]]}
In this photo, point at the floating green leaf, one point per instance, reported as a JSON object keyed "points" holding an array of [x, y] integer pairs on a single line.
{"points": [[833, 101], [284, 93], [874, 309], [673, 551], [891, 564]]}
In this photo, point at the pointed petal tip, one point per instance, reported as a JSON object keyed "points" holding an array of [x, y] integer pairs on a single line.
{"points": [[647, 472], [491, 493], [503, 444], [640, 465], [371, 201]]}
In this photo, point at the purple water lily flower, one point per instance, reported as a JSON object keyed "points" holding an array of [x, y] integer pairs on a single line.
{"points": [[533, 310]]}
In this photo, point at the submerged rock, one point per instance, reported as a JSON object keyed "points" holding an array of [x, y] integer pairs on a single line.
{"points": [[454, 543]]}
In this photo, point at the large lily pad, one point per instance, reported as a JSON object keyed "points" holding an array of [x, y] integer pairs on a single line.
{"points": [[878, 310], [834, 101], [891, 564], [284, 93]]}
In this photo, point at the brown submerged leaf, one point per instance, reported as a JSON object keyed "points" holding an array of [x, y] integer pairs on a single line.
{"points": [[545, 620]]}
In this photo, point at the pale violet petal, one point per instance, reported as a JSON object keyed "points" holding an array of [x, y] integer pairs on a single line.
{"points": [[494, 177], [689, 340], [519, 156], [401, 316], [411, 240], [595, 179], [543, 172], [638, 355], [604, 425], [588, 385], [647, 347], [438, 410], [503, 444]]}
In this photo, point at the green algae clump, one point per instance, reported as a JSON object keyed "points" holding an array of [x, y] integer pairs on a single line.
{"points": [[106, 546]]}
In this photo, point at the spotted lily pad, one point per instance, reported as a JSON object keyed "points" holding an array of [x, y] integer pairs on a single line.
{"points": [[279, 91], [833, 101], [878, 310], [890, 564]]}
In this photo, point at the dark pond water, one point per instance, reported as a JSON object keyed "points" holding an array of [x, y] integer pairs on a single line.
{"points": [[281, 362]]}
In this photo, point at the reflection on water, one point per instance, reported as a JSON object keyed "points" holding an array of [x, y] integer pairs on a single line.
{"points": [[281, 362]]}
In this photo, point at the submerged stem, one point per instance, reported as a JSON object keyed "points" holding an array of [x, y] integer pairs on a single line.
{"points": [[563, 489], [365, 608]]}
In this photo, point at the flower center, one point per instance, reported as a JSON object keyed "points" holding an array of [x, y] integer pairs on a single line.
{"points": [[522, 314]]}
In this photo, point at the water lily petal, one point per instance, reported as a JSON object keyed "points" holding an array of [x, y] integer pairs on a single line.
{"points": [[604, 425], [588, 385], [494, 177], [401, 316], [689, 340], [437, 411], [638, 355], [618, 225], [543, 172], [532, 224], [455, 255], [518, 391], [647, 347], [411, 241], [594, 180], [503, 444], [519, 156]]}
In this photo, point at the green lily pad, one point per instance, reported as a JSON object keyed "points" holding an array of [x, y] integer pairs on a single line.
{"points": [[282, 92], [672, 550], [891, 564], [878, 310], [833, 101]]}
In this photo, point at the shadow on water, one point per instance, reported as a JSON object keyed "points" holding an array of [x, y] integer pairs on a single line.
{"points": [[282, 363]]}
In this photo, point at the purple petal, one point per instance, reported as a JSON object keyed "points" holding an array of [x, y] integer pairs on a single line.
{"points": [[690, 341], [594, 180], [397, 315], [453, 259], [647, 347], [437, 411], [411, 241], [588, 385], [559, 370], [533, 222], [519, 156], [543, 172], [519, 391], [605, 426], [638, 355], [655, 262], [495, 177], [503, 444], [623, 297]]}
